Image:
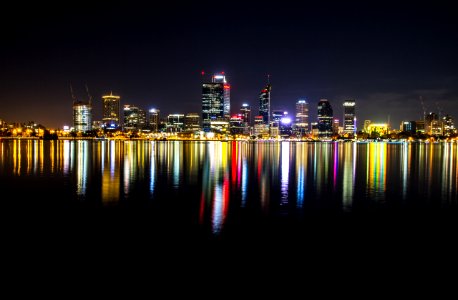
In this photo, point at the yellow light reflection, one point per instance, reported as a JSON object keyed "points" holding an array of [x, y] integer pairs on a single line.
{"points": [[376, 170], [29, 157], [111, 175], [81, 167], [348, 181], [52, 149], [41, 157], [284, 172]]}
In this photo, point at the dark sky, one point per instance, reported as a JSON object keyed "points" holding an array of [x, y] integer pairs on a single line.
{"points": [[383, 55]]}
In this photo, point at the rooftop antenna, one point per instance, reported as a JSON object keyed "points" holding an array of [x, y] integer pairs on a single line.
{"points": [[202, 73], [88, 95], [268, 78]]}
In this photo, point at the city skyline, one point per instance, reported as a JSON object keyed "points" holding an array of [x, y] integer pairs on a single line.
{"points": [[384, 57], [82, 103]]}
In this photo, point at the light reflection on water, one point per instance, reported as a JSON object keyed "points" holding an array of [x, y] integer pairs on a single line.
{"points": [[348, 179], [376, 175], [223, 179]]}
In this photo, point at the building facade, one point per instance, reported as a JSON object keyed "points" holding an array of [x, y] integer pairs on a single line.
{"points": [[134, 118], [192, 122], [82, 116], [302, 117], [325, 116], [264, 104], [153, 119], [215, 101], [349, 125], [245, 111], [409, 126], [111, 107], [175, 123]]}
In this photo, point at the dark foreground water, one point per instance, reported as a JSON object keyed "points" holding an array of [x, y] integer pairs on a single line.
{"points": [[246, 192]]}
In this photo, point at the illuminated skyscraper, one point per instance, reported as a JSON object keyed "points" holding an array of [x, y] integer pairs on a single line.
{"points": [[449, 126], [111, 111], [134, 118], [349, 116], [175, 123], [409, 126], [302, 116], [221, 79], [431, 121], [264, 104], [325, 115], [245, 111], [335, 126], [82, 116], [192, 122], [215, 100], [153, 120]]}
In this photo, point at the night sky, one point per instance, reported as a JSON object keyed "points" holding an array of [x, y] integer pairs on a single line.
{"points": [[384, 56]]}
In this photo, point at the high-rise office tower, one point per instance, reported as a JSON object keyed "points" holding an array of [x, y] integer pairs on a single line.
{"points": [[302, 116], [134, 118], [221, 79], [153, 120], [335, 126], [409, 126], [175, 123], [325, 115], [82, 116], [431, 120], [245, 111], [449, 126], [349, 116], [111, 111], [215, 100], [264, 104], [192, 122], [277, 114]]}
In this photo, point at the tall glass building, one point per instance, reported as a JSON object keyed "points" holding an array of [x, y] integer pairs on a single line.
{"points": [[153, 119], [325, 115], [221, 79], [349, 116], [82, 116], [264, 104], [215, 100], [245, 111], [192, 122], [111, 111], [134, 118], [302, 116]]}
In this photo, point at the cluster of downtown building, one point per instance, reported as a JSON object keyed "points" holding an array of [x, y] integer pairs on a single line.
{"points": [[216, 121]]}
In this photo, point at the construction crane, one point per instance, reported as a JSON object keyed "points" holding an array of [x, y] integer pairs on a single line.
{"points": [[88, 95], [423, 108], [439, 110], [71, 93]]}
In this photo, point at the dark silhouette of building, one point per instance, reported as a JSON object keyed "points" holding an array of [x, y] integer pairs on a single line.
{"points": [[325, 115]]}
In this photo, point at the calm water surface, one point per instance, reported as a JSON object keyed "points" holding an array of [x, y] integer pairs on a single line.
{"points": [[216, 184]]}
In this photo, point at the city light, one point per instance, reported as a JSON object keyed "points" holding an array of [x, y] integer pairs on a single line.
{"points": [[286, 120]]}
